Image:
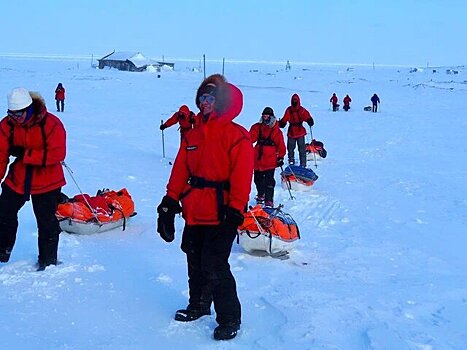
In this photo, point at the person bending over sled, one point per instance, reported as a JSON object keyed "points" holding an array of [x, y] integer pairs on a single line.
{"points": [[185, 117], [295, 114], [347, 101], [211, 176], [37, 141], [269, 154]]}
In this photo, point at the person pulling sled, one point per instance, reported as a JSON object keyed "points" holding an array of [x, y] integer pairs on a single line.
{"points": [[269, 154]]}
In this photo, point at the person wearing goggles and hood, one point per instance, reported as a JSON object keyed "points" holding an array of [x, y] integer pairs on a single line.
{"points": [[36, 139], [211, 179]]}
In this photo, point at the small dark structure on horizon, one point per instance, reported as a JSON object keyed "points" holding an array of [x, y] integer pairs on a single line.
{"points": [[131, 62]]}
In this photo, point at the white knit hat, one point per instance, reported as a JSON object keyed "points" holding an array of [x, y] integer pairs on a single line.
{"points": [[18, 98]]}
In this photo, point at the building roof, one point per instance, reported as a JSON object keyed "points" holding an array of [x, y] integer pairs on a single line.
{"points": [[137, 58]]}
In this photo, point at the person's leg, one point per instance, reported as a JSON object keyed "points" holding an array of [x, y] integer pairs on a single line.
{"points": [[291, 149], [200, 298], [62, 102], [44, 206], [58, 105], [302, 151], [10, 203], [258, 178], [215, 264], [270, 183]]}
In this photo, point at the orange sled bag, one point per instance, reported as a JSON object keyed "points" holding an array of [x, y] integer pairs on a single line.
{"points": [[268, 230], [85, 214]]}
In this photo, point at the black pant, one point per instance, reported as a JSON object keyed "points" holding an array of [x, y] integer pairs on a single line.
{"points": [[207, 249], [44, 206], [375, 107], [62, 104], [265, 183]]}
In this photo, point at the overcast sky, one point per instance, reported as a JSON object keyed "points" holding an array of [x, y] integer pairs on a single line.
{"points": [[412, 32]]}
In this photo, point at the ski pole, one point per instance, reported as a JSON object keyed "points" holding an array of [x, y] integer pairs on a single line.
{"points": [[163, 144], [311, 143], [289, 185]]}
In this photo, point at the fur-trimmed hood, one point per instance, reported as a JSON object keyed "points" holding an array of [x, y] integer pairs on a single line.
{"points": [[39, 109], [229, 99]]}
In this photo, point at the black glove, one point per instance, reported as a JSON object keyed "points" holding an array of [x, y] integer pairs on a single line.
{"points": [[232, 218], [166, 218], [310, 122], [162, 127], [280, 162], [16, 151], [282, 124]]}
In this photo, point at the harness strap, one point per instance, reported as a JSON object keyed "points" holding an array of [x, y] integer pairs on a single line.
{"points": [[219, 186]]}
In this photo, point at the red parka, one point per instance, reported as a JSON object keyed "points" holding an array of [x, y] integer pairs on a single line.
{"points": [[60, 93], [185, 117], [269, 145], [44, 141], [296, 115], [334, 99], [217, 150]]}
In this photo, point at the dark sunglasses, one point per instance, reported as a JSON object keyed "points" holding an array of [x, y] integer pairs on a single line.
{"points": [[208, 98], [16, 114]]}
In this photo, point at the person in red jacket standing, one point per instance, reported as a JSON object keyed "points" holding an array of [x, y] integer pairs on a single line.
{"points": [[211, 177], [347, 101], [333, 100], [184, 117], [60, 97], [37, 140], [295, 115], [269, 154]]}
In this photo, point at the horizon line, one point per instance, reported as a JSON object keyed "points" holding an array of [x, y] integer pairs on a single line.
{"points": [[216, 60]]}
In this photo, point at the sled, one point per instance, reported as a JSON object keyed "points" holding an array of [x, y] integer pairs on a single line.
{"points": [[268, 231], [315, 150], [298, 178], [368, 108], [85, 214]]}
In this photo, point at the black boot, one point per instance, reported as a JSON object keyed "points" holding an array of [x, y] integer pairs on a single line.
{"points": [[47, 252], [227, 330], [191, 313], [5, 255]]}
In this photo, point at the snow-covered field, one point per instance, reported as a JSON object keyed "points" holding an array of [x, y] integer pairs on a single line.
{"points": [[381, 263]]}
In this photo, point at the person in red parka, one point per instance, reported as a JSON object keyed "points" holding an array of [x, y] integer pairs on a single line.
{"points": [[333, 100], [211, 177], [347, 101], [295, 115], [37, 141], [269, 154], [185, 117], [60, 97]]}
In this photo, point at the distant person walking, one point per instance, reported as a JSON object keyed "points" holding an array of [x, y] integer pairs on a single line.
{"points": [[60, 97], [333, 100], [375, 100], [347, 101], [295, 115]]}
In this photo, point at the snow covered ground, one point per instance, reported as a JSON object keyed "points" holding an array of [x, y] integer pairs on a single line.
{"points": [[381, 263]]}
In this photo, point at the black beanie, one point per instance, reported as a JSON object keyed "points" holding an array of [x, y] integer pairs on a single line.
{"points": [[210, 89], [268, 111]]}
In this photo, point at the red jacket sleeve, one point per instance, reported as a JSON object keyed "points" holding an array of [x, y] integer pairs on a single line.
{"points": [[241, 162], [280, 144], [254, 133], [172, 120], [179, 175]]}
